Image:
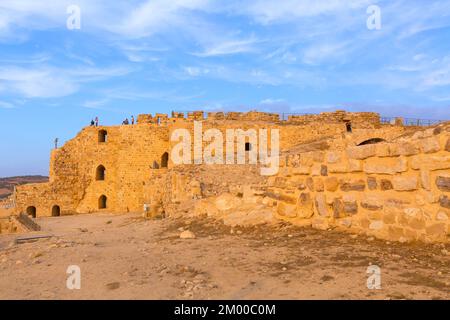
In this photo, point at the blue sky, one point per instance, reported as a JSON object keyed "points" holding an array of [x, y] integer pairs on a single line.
{"points": [[132, 57]]}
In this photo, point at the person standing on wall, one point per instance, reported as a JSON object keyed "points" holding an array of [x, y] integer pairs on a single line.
{"points": [[56, 143], [132, 119], [96, 121]]}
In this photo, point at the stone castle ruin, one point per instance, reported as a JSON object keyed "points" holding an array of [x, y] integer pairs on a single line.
{"points": [[353, 172]]}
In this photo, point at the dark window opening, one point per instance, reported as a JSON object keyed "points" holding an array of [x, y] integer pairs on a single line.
{"points": [[348, 126], [248, 146], [155, 165], [31, 211], [56, 211], [164, 160], [102, 136], [100, 173], [372, 141], [102, 202]]}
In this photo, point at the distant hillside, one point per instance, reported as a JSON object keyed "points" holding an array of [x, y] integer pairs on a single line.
{"points": [[7, 184]]}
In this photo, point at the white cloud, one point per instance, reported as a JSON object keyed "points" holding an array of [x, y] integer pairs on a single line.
{"points": [[6, 105], [49, 82], [227, 47]]}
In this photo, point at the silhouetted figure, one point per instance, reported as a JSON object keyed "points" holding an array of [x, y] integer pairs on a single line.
{"points": [[126, 122], [56, 143], [96, 121], [132, 119], [92, 123]]}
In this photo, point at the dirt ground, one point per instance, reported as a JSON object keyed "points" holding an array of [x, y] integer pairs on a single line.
{"points": [[127, 257]]}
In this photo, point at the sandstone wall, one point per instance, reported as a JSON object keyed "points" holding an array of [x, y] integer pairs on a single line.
{"points": [[398, 190], [128, 155]]}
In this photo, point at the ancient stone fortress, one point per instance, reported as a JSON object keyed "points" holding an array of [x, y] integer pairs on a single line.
{"points": [[347, 171]]}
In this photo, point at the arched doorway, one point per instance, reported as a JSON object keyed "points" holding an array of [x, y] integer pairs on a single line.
{"points": [[164, 160], [31, 211], [100, 173], [56, 211], [102, 202], [102, 136]]}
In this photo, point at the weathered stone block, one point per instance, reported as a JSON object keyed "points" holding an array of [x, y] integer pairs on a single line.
{"points": [[353, 185], [385, 165], [444, 202], [403, 149], [443, 183], [361, 152], [323, 170], [310, 183], [287, 210], [382, 149], [390, 218], [372, 203], [321, 205], [441, 216], [425, 179], [405, 183], [338, 208], [318, 185], [376, 225], [436, 230], [305, 206], [338, 168], [386, 185], [417, 224], [333, 157], [355, 165], [430, 145], [447, 145], [350, 207], [301, 170], [372, 183], [395, 232], [331, 184]]}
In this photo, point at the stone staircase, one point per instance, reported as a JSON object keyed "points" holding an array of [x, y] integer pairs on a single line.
{"points": [[27, 222]]}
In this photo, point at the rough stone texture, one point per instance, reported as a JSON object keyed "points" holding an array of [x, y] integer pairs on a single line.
{"points": [[405, 183], [386, 184], [372, 183], [444, 201], [361, 152], [331, 184], [353, 185], [385, 165], [443, 183]]}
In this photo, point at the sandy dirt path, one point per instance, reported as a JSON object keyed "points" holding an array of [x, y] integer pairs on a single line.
{"points": [[127, 257]]}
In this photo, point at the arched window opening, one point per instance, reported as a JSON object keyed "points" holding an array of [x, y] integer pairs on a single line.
{"points": [[100, 173], [102, 136], [102, 202], [56, 211], [164, 160], [248, 146], [31, 211], [372, 141]]}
